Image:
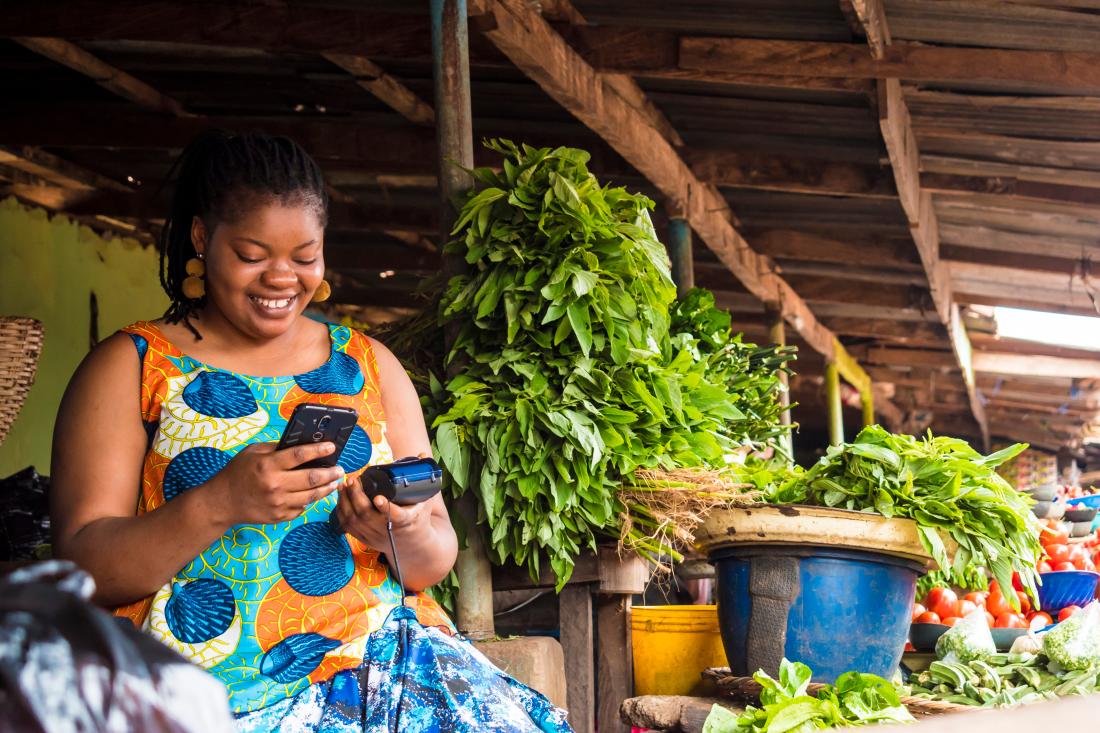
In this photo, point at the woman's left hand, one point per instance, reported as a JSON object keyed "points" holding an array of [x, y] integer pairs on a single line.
{"points": [[366, 521]]}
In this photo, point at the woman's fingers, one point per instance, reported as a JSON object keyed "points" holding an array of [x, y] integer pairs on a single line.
{"points": [[308, 479], [290, 458]]}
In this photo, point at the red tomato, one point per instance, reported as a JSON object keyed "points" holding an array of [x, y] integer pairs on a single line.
{"points": [[1016, 582], [946, 608], [1043, 566], [977, 598], [937, 594], [1039, 620], [918, 609], [1056, 535], [950, 621], [1067, 612], [965, 608], [1058, 553], [989, 620], [1010, 621], [928, 617], [1078, 555], [997, 605], [909, 647], [1062, 566], [1025, 603]]}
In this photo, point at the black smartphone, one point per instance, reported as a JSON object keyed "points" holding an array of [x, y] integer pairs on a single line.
{"points": [[312, 423]]}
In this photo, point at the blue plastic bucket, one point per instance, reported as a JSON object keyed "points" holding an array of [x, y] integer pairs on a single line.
{"points": [[834, 610]]}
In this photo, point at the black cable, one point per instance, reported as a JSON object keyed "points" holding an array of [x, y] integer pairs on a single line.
{"points": [[393, 550]]}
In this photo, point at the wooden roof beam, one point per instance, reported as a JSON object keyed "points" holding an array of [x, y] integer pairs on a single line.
{"points": [[522, 35], [868, 17], [1036, 366], [388, 89], [901, 146], [107, 76], [1062, 72]]}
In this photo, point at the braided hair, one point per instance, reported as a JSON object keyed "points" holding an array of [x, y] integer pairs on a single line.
{"points": [[222, 175]]}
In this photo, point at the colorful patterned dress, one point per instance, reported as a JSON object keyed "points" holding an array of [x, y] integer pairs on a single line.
{"points": [[298, 619]]}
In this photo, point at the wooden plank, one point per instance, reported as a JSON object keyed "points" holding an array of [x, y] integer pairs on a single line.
{"points": [[283, 27], [798, 245], [995, 240], [1059, 72], [1029, 365], [938, 172], [1050, 118], [1016, 151], [743, 169], [910, 334], [614, 662], [388, 89], [1041, 262], [1057, 289], [1012, 188], [523, 36], [107, 76], [56, 170], [576, 625], [869, 18], [901, 144], [674, 713]]}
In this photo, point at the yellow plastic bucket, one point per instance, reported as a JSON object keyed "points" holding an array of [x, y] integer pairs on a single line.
{"points": [[672, 647]]}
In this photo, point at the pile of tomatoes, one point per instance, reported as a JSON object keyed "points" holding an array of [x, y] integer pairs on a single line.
{"points": [[943, 606], [1059, 555]]}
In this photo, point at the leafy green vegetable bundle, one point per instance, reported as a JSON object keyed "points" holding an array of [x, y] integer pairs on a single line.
{"points": [[856, 699], [571, 372], [943, 484]]}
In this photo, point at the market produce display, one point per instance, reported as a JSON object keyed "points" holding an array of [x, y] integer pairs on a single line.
{"points": [[945, 486], [785, 705], [575, 366], [1062, 661]]}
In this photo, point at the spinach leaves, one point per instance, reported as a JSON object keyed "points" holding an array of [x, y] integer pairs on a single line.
{"points": [[574, 366], [946, 486], [785, 704]]}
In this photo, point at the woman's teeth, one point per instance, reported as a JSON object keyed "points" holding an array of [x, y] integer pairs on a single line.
{"points": [[281, 304]]}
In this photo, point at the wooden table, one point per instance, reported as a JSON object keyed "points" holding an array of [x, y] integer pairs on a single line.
{"points": [[594, 619]]}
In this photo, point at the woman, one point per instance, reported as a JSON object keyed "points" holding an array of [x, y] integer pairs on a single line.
{"points": [[168, 489]]}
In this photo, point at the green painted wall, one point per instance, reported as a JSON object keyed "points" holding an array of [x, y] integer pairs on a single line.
{"points": [[49, 266]]}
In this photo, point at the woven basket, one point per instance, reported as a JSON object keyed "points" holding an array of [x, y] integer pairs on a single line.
{"points": [[20, 347], [746, 689]]}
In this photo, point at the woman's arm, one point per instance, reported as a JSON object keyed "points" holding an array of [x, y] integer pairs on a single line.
{"points": [[426, 541], [98, 451]]}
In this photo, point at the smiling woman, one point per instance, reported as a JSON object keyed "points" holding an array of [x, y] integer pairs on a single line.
{"points": [[169, 489]]}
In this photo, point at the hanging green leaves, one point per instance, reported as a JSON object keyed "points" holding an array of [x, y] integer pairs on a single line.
{"points": [[570, 376]]}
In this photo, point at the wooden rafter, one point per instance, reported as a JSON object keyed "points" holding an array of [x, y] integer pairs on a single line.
{"points": [[869, 17], [901, 146], [532, 45], [107, 76], [388, 89]]}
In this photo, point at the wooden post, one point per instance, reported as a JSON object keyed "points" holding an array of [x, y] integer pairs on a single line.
{"points": [[777, 334], [615, 661], [867, 401], [679, 252], [576, 626], [832, 403], [455, 141]]}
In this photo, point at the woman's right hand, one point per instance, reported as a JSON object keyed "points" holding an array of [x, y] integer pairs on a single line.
{"points": [[262, 485]]}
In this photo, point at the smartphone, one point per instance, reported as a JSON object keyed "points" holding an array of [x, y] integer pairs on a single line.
{"points": [[312, 423]]}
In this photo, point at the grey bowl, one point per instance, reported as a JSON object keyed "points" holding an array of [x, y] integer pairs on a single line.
{"points": [[1043, 493], [1003, 638], [1041, 508], [1084, 514], [924, 636], [1081, 529]]}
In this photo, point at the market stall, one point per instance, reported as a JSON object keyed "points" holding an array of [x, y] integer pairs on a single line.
{"points": [[863, 182]]}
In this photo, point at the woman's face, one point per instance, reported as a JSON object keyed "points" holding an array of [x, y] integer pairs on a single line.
{"points": [[263, 268]]}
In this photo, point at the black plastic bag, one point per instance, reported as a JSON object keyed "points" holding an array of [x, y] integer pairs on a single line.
{"points": [[24, 516], [66, 665]]}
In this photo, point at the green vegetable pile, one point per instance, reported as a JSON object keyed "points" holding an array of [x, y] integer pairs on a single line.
{"points": [[855, 700], [1002, 680], [572, 373], [947, 487]]}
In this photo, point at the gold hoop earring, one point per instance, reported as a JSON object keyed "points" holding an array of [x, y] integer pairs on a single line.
{"points": [[193, 285], [323, 292]]}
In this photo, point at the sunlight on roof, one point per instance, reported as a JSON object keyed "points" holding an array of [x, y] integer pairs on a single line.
{"points": [[1082, 332]]}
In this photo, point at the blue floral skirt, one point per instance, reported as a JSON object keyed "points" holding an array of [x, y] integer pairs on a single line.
{"points": [[413, 680]]}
